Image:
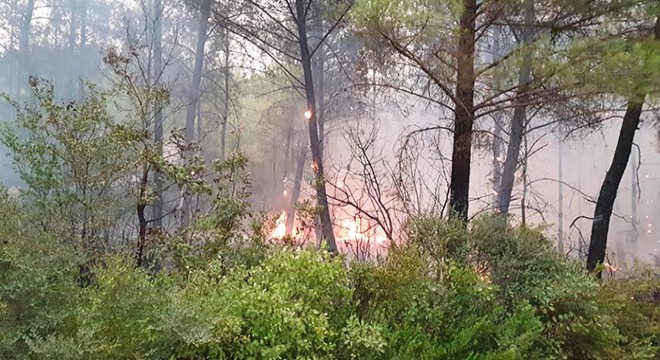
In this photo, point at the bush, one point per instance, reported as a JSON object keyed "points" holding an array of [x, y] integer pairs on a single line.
{"points": [[482, 292], [453, 315], [293, 305], [38, 287], [578, 323]]}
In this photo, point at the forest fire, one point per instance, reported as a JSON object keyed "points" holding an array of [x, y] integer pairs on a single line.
{"points": [[280, 227], [353, 233]]}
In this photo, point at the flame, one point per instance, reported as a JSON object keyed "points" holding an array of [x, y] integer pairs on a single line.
{"points": [[308, 114], [354, 230], [611, 267], [280, 227]]}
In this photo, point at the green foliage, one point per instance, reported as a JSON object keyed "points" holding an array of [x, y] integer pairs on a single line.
{"points": [[524, 268], [72, 158], [121, 316], [636, 313], [453, 315], [221, 231], [288, 307], [426, 300], [38, 287]]}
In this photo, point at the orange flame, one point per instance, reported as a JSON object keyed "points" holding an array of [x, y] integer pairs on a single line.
{"points": [[280, 227]]}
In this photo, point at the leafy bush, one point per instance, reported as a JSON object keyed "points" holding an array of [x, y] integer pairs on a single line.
{"points": [[482, 292], [453, 315], [38, 288], [293, 305], [524, 268]]}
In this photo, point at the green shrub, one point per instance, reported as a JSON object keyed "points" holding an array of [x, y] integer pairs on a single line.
{"points": [[122, 314], [523, 267], [38, 289], [295, 305], [636, 314], [453, 315], [481, 292]]}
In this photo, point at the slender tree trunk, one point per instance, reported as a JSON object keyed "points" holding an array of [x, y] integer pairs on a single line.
{"points": [[142, 219], [225, 114], [73, 65], [295, 193], [523, 198], [193, 98], [317, 155], [26, 34], [610, 186], [321, 96], [605, 203], [81, 48], [195, 88], [519, 114], [158, 116], [288, 152], [459, 191], [560, 195], [83, 25], [498, 152], [634, 198]]}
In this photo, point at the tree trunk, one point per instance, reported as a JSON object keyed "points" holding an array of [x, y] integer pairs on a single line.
{"points": [[73, 64], [295, 193], [26, 34], [142, 219], [158, 116], [634, 198], [607, 195], [560, 195], [81, 48], [523, 198], [498, 152], [193, 98], [288, 151], [317, 156], [459, 191], [519, 120], [321, 98], [225, 114]]}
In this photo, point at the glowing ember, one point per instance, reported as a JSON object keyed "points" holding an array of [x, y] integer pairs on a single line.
{"points": [[280, 227]]}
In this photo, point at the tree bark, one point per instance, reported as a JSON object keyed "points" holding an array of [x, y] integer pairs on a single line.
{"points": [[295, 193], [459, 190], [225, 113], [142, 219], [498, 152], [317, 155], [26, 34], [158, 116], [288, 151], [519, 120], [194, 94], [607, 195], [321, 98]]}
